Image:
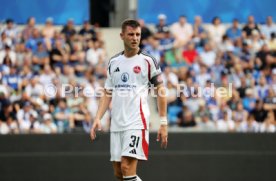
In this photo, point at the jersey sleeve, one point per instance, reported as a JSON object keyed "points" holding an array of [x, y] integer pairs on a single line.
{"points": [[108, 82], [155, 72]]}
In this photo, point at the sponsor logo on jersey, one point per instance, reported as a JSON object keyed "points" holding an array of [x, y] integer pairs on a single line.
{"points": [[137, 69], [125, 77], [133, 151], [117, 69]]}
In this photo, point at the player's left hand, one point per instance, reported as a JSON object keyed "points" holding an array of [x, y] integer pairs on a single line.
{"points": [[96, 126], [163, 135]]}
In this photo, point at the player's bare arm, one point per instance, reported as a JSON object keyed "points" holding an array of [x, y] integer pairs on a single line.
{"points": [[103, 106], [162, 109]]}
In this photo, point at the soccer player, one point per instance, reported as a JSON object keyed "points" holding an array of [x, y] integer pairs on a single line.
{"points": [[129, 74]]}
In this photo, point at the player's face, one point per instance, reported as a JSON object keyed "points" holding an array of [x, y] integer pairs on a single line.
{"points": [[131, 37]]}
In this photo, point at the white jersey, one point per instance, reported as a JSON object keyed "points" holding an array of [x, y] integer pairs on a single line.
{"points": [[129, 78]]}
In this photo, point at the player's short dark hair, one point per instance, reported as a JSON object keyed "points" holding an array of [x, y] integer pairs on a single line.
{"points": [[130, 22]]}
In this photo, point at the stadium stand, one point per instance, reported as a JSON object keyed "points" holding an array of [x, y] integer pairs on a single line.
{"points": [[219, 77]]}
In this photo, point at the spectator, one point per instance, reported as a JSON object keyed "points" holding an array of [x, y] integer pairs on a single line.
{"points": [[82, 118], [167, 41], [250, 26], [7, 54], [181, 31], [4, 129], [94, 54], [11, 31], [261, 90], [193, 103], [273, 80], [249, 100], [216, 30], [5, 40], [47, 126], [234, 101], [268, 28], [270, 101], [22, 56], [88, 31], [27, 119], [250, 125], [234, 32], [27, 33], [259, 112], [225, 124], [205, 124], [199, 32], [168, 75], [173, 58], [263, 57], [190, 54], [268, 125], [203, 77], [46, 78], [68, 30], [255, 42], [63, 117], [246, 57], [40, 57], [240, 115], [13, 80], [272, 42], [48, 32], [186, 119], [161, 27], [35, 90], [34, 40], [153, 48], [77, 59], [208, 56], [8, 121], [58, 55]]}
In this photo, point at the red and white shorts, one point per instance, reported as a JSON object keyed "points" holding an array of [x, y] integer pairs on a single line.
{"points": [[131, 143]]}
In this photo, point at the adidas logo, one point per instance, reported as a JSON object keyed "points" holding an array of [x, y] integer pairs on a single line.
{"points": [[133, 151], [117, 69]]}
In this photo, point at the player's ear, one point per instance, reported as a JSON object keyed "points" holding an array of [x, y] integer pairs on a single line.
{"points": [[121, 34]]}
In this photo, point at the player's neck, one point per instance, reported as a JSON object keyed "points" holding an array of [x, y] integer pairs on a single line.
{"points": [[131, 52]]}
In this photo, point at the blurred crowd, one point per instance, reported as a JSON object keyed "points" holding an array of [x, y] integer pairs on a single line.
{"points": [[35, 62], [239, 57]]}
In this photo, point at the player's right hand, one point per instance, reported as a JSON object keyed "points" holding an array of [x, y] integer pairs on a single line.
{"points": [[96, 127]]}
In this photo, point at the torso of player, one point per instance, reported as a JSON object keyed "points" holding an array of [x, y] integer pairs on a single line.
{"points": [[129, 78]]}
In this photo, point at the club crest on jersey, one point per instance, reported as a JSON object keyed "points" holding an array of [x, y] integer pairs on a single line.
{"points": [[137, 69], [125, 77]]}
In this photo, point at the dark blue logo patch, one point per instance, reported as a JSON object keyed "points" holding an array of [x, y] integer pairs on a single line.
{"points": [[125, 77]]}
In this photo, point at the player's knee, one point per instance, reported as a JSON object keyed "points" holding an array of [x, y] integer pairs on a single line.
{"points": [[125, 167]]}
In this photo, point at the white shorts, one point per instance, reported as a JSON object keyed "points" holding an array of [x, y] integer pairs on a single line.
{"points": [[131, 143]]}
